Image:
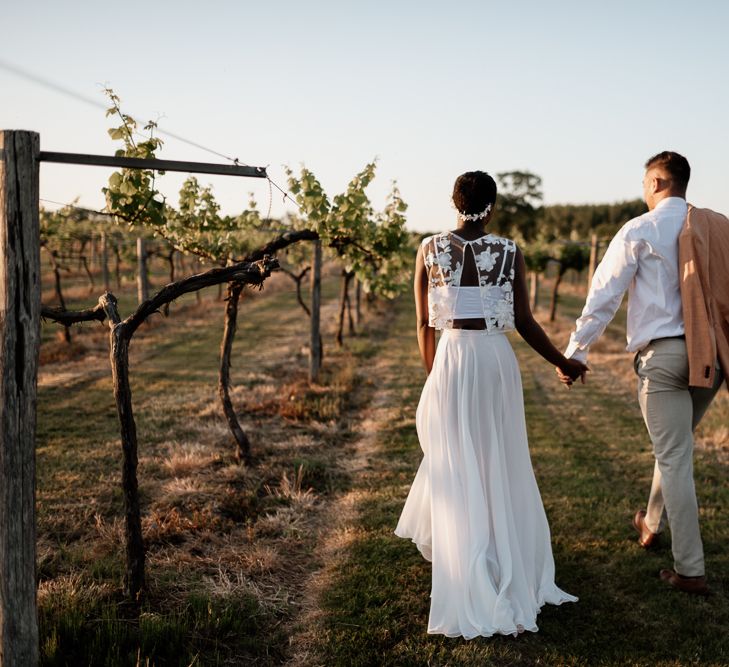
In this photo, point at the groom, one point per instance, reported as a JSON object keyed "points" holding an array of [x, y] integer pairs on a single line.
{"points": [[643, 258]]}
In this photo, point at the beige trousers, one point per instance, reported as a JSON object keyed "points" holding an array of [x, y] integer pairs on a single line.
{"points": [[672, 410]]}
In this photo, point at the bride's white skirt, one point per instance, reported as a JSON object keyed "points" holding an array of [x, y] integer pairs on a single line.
{"points": [[474, 508]]}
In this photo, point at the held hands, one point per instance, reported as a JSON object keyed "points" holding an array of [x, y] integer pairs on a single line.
{"points": [[570, 371]]}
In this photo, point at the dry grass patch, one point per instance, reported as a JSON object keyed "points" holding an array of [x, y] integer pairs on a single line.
{"points": [[219, 535], [283, 522], [261, 558], [72, 590], [291, 489], [188, 458], [110, 533], [715, 441]]}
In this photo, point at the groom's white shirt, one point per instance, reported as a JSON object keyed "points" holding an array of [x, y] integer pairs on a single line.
{"points": [[642, 258]]}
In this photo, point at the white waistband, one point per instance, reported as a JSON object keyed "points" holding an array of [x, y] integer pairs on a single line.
{"points": [[476, 332]]}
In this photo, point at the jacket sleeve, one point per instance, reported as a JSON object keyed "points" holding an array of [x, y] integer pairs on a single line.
{"points": [[700, 340]]}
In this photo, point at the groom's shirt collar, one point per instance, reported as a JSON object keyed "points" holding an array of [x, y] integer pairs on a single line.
{"points": [[671, 201]]}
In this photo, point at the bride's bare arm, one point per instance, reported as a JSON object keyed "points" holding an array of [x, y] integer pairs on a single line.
{"points": [[531, 331], [426, 334]]}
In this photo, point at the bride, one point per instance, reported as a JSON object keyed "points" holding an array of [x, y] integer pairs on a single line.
{"points": [[474, 508]]}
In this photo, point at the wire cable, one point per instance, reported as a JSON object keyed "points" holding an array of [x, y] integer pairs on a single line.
{"points": [[51, 85]]}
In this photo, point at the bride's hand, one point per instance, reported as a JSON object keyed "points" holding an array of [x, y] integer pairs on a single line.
{"points": [[571, 370]]}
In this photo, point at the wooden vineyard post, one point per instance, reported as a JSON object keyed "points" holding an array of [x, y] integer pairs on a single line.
{"points": [[594, 248], [344, 306], [94, 252], [105, 261], [142, 282], [315, 347], [19, 344], [534, 290], [358, 299]]}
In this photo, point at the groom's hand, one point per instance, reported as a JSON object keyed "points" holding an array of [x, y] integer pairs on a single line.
{"points": [[572, 370]]}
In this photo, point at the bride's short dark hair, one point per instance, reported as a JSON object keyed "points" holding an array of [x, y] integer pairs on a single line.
{"points": [[473, 192]]}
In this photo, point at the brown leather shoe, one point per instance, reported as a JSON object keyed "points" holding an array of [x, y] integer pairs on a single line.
{"points": [[646, 538], [692, 585]]}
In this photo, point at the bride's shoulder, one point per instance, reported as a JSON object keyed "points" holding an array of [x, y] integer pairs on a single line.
{"points": [[431, 239], [495, 239]]}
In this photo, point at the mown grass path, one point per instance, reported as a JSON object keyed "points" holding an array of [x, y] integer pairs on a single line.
{"points": [[226, 544], [592, 461]]}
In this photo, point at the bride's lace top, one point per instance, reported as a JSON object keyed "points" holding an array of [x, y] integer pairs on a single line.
{"points": [[448, 300]]}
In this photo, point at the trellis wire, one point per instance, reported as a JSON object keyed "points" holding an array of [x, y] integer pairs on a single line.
{"points": [[51, 85]]}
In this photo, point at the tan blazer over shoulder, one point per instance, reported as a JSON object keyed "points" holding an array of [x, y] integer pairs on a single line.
{"points": [[703, 256]]}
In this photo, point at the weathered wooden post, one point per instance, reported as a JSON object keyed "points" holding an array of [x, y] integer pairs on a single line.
{"points": [[19, 344], [358, 299], [315, 344], [142, 279], [534, 290], [105, 261]]}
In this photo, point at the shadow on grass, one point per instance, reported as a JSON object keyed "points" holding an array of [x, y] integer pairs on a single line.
{"points": [[97, 632], [593, 465]]}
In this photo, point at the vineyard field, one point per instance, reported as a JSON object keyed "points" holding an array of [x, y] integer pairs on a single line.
{"points": [[293, 561]]}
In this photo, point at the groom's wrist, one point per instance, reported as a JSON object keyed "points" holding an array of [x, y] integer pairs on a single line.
{"points": [[574, 352]]}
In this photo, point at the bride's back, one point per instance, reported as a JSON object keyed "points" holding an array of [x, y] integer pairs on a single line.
{"points": [[470, 280]]}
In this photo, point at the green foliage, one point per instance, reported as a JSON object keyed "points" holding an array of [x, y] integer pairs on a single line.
{"points": [[518, 205], [345, 219], [70, 227], [393, 245], [346, 223], [536, 257], [196, 226], [311, 198], [579, 221], [375, 246], [131, 194], [573, 256], [56, 228], [520, 214], [297, 256]]}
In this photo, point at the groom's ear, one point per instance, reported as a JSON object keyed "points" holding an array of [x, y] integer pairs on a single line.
{"points": [[651, 182], [660, 180]]}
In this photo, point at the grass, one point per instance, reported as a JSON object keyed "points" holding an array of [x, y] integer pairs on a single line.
{"points": [[294, 560], [227, 546], [593, 465], [86, 627]]}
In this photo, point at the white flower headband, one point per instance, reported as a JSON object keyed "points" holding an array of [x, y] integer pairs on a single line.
{"points": [[468, 217]]}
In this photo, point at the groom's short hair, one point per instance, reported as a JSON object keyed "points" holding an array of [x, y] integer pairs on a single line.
{"points": [[675, 164]]}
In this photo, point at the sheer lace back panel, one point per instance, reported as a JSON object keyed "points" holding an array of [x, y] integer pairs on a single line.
{"points": [[445, 256]]}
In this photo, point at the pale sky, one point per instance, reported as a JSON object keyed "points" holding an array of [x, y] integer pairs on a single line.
{"points": [[580, 93]]}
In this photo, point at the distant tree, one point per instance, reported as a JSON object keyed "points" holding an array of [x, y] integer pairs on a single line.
{"points": [[518, 205], [536, 258], [571, 256], [580, 221]]}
